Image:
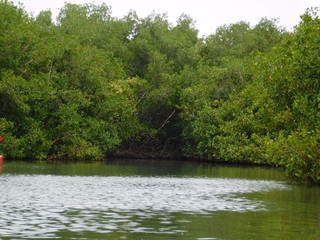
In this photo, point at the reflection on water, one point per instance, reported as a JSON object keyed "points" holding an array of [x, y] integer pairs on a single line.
{"points": [[51, 206], [41, 205]]}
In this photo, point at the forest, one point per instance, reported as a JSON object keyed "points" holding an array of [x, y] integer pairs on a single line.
{"points": [[89, 86]]}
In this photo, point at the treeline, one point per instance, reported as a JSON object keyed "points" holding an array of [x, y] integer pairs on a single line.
{"points": [[89, 85]]}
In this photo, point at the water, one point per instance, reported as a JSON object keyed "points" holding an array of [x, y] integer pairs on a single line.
{"points": [[153, 200]]}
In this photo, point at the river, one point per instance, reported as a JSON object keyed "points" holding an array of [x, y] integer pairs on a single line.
{"points": [[149, 199]]}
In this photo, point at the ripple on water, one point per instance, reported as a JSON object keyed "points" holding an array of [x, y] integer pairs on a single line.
{"points": [[41, 205]]}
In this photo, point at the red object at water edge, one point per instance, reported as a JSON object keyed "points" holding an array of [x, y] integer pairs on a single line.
{"points": [[1, 158]]}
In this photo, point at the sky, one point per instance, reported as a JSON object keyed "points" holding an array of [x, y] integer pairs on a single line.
{"points": [[208, 14]]}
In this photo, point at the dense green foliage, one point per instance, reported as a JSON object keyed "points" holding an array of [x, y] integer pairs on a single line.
{"points": [[89, 85]]}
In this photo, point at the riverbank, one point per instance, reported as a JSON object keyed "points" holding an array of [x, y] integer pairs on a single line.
{"points": [[247, 93]]}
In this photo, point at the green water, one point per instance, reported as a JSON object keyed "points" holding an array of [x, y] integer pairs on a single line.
{"points": [[153, 200]]}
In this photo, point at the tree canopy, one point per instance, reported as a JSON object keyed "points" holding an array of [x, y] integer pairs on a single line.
{"points": [[89, 86]]}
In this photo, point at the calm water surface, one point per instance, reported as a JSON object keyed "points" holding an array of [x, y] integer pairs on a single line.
{"points": [[153, 200]]}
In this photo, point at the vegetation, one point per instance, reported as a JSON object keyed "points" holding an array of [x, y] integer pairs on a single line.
{"points": [[90, 85]]}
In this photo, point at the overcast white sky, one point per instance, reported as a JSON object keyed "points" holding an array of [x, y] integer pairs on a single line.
{"points": [[208, 14]]}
